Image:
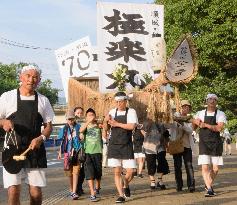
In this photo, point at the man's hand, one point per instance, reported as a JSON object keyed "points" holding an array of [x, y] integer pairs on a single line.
{"points": [[197, 122], [35, 143], [113, 123], [203, 125], [7, 125]]}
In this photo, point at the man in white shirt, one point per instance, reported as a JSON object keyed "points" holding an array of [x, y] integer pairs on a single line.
{"points": [[23, 112], [210, 121], [186, 154], [120, 150]]}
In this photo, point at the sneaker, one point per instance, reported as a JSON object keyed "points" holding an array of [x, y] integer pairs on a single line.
{"points": [[97, 191], [93, 198], [210, 193], [153, 185], [120, 200], [74, 196], [211, 189], [140, 176], [161, 186], [127, 193]]}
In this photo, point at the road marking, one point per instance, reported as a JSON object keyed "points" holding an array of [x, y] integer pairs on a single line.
{"points": [[56, 197], [52, 163]]}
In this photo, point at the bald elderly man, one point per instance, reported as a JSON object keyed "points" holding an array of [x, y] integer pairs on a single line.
{"points": [[23, 112]]}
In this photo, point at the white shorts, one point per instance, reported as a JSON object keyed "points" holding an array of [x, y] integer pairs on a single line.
{"points": [[125, 163], [33, 177], [208, 159], [139, 155]]}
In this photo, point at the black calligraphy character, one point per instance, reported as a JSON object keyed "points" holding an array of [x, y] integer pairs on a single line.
{"points": [[114, 23], [71, 64], [130, 25], [156, 14], [181, 63], [179, 72], [125, 48], [154, 35], [183, 52]]}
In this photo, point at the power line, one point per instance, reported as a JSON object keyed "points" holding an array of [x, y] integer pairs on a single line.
{"points": [[22, 45]]}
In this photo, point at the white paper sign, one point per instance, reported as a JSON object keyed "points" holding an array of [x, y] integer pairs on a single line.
{"points": [[75, 60], [158, 51], [124, 32], [180, 65]]}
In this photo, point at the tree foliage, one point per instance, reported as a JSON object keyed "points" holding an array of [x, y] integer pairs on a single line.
{"points": [[8, 77], [9, 80], [46, 89], [213, 26]]}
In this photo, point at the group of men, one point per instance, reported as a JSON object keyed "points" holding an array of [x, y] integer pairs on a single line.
{"points": [[210, 122], [23, 111]]}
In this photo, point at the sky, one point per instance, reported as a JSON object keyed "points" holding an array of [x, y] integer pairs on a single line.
{"points": [[45, 25]]}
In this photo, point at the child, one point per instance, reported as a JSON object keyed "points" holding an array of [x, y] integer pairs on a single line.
{"points": [[138, 140], [69, 147], [93, 149]]}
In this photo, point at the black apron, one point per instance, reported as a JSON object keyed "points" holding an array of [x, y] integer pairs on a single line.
{"points": [[120, 143], [138, 140], [210, 142], [27, 125]]}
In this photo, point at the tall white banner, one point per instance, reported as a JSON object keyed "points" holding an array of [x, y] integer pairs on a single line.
{"points": [[125, 33], [76, 60]]}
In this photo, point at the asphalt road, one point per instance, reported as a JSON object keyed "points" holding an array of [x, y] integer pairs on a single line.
{"points": [[57, 190]]}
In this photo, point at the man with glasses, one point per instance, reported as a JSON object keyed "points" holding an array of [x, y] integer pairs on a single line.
{"points": [[120, 150], [210, 121]]}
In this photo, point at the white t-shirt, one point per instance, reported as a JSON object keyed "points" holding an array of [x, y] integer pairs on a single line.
{"points": [[220, 116], [8, 105], [131, 115]]}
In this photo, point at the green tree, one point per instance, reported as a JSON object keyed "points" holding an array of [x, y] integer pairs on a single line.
{"points": [[212, 24], [46, 89], [9, 80], [8, 77]]}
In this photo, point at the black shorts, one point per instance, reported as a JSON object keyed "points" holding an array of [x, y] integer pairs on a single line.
{"points": [[161, 166], [93, 166]]}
